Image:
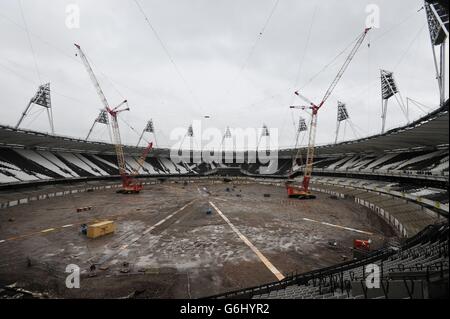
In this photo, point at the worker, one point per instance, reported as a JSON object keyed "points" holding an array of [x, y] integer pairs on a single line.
{"points": [[84, 228]]}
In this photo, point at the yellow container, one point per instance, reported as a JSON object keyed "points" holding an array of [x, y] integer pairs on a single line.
{"points": [[101, 229]]}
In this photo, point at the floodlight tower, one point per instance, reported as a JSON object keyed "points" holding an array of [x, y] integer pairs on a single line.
{"points": [[342, 115], [437, 16], [102, 118], [265, 133], [302, 127], [226, 136], [149, 128], [190, 131], [389, 89], [226, 155], [190, 135], [41, 98]]}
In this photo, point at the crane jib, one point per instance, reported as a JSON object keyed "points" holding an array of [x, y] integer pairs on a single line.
{"points": [[129, 186], [304, 191]]}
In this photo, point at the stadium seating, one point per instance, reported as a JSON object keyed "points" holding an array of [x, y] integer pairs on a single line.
{"points": [[19, 165], [22, 168], [432, 162], [417, 269]]}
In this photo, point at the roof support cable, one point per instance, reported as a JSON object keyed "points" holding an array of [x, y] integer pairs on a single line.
{"points": [[252, 49], [169, 56], [30, 43]]}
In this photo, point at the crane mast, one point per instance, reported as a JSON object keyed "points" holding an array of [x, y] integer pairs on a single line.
{"points": [[128, 184], [303, 191], [117, 139]]}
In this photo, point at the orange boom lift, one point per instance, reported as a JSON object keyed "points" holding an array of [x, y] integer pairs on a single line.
{"points": [[302, 191], [129, 184]]}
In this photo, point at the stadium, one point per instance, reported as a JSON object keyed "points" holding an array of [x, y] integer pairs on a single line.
{"points": [[137, 223]]}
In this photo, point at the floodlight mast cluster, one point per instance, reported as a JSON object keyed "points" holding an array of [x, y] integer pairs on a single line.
{"points": [[41, 98], [149, 128], [265, 133], [438, 20], [102, 118], [342, 115], [389, 88], [129, 185], [303, 192]]}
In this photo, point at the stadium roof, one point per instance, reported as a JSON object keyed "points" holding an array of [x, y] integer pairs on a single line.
{"points": [[12, 137], [430, 131]]}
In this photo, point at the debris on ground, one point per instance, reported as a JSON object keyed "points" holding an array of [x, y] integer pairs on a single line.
{"points": [[133, 295], [332, 243], [20, 293], [125, 268]]}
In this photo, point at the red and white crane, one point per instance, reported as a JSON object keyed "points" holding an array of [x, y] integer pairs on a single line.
{"points": [[302, 191], [129, 185]]}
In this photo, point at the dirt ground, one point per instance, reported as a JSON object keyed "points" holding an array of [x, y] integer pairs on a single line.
{"points": [[167, 246]]}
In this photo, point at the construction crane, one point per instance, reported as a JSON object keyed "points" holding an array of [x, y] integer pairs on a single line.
{"points": [[302, 191], [141, 160], [129, 185]]}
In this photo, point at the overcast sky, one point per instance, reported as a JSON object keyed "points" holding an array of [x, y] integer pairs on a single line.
{"points": [[235, 61]]}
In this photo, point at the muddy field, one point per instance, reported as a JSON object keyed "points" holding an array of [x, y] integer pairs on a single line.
{"points": [[167, 246]]}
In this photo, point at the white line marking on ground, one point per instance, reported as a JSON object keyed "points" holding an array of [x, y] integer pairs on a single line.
{"points": [[47, 230], [125, 246], [2, 241], [66, 226], [264, 260], [168, 217], [338, 226]]}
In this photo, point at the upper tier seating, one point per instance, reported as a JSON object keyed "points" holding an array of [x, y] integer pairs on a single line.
{"points": [[420, 163], [24, 168]]}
